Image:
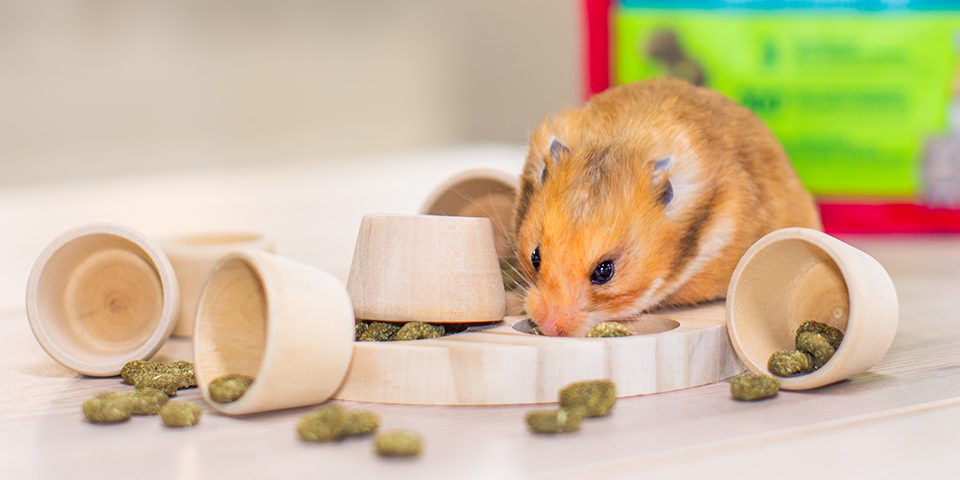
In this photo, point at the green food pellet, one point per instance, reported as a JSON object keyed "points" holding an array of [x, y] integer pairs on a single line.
{"points": [[379, 332], [324, 424], [833, 335], [790, 363], [418, 331], [817, 346], [754, 386], [162, 376], [185, 370], [398, 443], [595, 397], [359, 328], [609, 329], [229, 388], [133, 369], [166, 382], [360, 422], [107, 408], [535, 330], [554, 421], [180, 414], [146, 401]]}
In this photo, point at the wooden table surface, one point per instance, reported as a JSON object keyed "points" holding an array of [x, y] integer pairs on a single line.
{"points": [[898, 420]]}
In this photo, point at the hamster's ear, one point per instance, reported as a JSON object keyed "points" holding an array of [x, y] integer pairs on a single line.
{"points": [[557, 151], [661, 179]]}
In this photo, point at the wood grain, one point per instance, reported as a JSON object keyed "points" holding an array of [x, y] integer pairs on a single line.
{"points": [[503, 365]]}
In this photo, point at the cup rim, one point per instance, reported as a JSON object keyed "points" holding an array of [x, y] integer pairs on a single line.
{"points": [[501, 177], [169, 289]]}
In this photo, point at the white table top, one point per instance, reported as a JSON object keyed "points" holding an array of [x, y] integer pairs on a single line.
{"points": [[898, 420]]}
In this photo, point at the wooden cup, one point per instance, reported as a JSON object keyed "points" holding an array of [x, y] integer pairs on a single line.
{"points": [[486, 193], [194, 256], [426, 268], [100, 296], [288, 325], [479, 193], [795, 275]]}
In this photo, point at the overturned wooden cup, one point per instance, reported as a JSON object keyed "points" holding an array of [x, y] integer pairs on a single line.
{"points": [[796, 275], [426, 268], [100, 296], [287, 325]]}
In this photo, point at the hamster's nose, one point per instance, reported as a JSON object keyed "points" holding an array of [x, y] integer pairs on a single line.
{"points": [[556, 321]]}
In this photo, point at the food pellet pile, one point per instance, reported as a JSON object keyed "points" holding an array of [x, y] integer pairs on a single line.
{"points": [[815, 344], [754, 386], [229, 388], [367, 331], [578, 400], [609, 329], [155, 383]]}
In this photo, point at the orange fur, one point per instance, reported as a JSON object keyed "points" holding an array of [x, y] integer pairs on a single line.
{"points": [[601, 201]]}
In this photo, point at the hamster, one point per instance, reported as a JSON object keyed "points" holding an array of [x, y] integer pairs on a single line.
{"points": [[646, 197]]}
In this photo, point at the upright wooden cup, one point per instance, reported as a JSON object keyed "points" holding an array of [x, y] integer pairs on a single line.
{"points": [[193, 257], [426, 268], [486, 193], [288, 325], [796, 274], [100, 296]]}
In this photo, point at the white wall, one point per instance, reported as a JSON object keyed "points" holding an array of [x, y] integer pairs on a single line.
{"points": [[100, 87]]}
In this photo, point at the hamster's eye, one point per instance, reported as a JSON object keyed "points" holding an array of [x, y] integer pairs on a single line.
{"points": [[535, 258], [602, 273]]}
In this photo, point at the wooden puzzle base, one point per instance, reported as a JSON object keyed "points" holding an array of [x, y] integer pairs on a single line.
{"points": [[503, 365]]}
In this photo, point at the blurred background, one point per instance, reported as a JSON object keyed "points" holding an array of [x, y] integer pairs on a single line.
{"points": [[104, 87]]}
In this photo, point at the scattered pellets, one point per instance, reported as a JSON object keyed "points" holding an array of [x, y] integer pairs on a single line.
{"points": [[790, 363], [833, 335], [554, 421], [107, 408], [324, 424], [229, 388], [398, 443], [817, 346], [418, 331], [595, 397], [754, 386], [379, 332], [359, 328], [609, 329], [180, 414], [535, 330], [146, 401], [360, 422]]}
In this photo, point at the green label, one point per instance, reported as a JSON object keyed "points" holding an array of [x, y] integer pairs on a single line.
{"points": [[852, 96]]}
